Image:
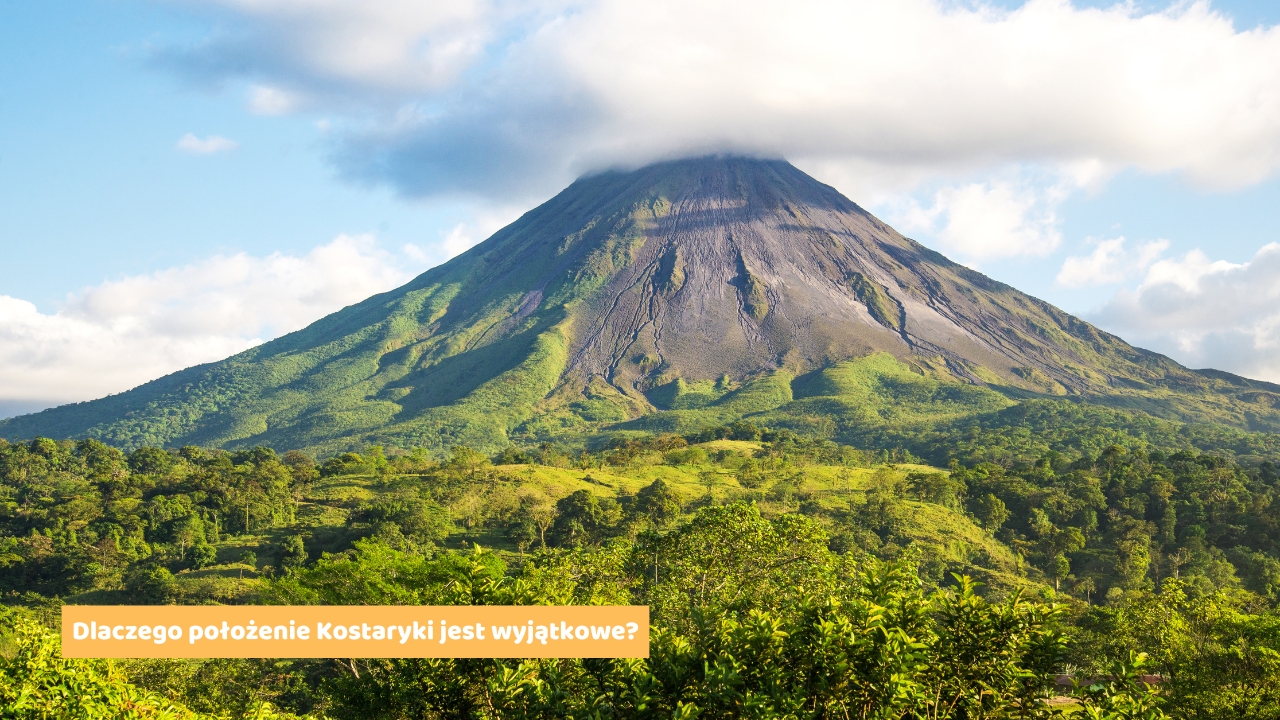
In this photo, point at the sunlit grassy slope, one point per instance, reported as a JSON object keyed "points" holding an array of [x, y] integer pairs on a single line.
{"points": [[847, 400]]}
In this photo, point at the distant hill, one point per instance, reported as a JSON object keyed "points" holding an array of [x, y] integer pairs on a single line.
{"points": [[686, 292]]}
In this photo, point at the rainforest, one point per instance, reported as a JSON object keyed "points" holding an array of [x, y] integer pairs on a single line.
{"points": [[1075, 569]]}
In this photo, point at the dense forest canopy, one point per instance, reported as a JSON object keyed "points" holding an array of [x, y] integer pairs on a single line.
{"points": [[896, 579]]}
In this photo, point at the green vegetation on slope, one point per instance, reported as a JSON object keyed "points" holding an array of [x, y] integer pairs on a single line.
{"points": [[460, 354], [879, 305], [697, 287], [764, 602], [880, 403], [803, 532]]}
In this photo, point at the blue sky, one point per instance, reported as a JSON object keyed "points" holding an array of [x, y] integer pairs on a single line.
{"points": [[353, 161], [92, 185]]}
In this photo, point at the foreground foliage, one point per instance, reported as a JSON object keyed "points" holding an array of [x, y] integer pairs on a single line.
{"points": [[738, 632], [812, 636]]}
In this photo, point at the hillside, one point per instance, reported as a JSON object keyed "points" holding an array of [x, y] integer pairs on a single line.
{"points": [[693, 291], [797, 569], [495, 507]]}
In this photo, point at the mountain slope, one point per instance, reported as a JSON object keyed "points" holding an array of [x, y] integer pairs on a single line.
{"points": [[680, 285]]}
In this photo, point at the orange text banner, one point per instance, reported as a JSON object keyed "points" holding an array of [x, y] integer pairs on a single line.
{"points": [[326, 631]]}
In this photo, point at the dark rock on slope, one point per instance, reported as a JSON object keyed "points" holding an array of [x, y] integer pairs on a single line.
{"points": [[603, 303]]}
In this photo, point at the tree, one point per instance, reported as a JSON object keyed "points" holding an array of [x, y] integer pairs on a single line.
{"points": [[656, 502], [149, 461], [512, 455], [1133, 559], [728, 558], [377, 460], [991, 512], [968, 679], [187, 532], [468, 461], [708, 478], [1061, 569], [686, 456], [348, 463], [583, 519], [203, 555], [36, 682], [413, 515], [293, 552], [1122, 694], [301, 466], [1177, 559], [250, 558], [154, 586], [535, 514], [527, 524], [937, 488], [1087, 586]]}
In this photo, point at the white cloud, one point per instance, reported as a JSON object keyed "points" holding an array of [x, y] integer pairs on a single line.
{"points": [[114, 336], [1188, 273], [272, 101], [389, 46], [484, 223], [503, 97], [1206, 313], [1109, 263], [208, 146], [416, 253], [458, 240], [1009, 216]]}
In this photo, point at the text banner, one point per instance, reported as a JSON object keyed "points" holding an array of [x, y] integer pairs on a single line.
{"points": [[363, 631]]}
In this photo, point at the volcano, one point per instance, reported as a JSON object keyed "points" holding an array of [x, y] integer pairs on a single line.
{"points": [[633, 294]]}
